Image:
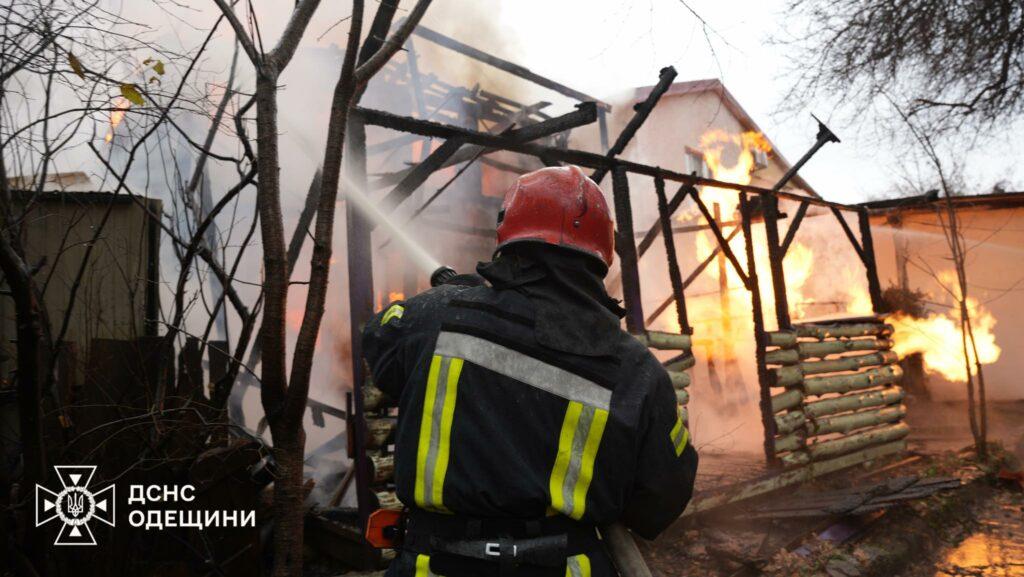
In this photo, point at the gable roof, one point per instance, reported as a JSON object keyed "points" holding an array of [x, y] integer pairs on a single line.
{"points": [[730, 103]]}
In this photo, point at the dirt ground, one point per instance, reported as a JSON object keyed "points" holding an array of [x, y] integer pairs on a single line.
{"points": [[977, 529]]}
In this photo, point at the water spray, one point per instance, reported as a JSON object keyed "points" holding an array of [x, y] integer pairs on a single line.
{"points": [[439, 274]]}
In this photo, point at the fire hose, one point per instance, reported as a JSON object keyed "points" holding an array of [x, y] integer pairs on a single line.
{"points": [[618, 541]]}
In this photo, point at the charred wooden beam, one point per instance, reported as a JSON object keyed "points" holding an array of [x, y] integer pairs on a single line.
{"points": [[577, 157], [723, 243], [360, 296], [670, 208], [584, 114], [421, 172], [868, 253], [770, 204], [849, 233], [676, 279], [626, 247], [766, 403], [794, 226], [504, 65], [642, 111]]}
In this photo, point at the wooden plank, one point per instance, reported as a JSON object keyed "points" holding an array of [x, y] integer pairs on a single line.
{"points": [[750, 489]]}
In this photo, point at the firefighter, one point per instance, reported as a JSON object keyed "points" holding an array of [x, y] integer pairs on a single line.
{"points": [[528, 418]]}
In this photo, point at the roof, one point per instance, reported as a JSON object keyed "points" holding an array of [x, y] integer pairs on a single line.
{"points": [[931, 200], [715, 85]]}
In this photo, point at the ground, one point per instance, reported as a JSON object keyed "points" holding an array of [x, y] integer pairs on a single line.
{"points": [[977, 529]]}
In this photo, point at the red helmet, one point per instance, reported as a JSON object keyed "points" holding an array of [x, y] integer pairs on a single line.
{"points": [[559, 206]]}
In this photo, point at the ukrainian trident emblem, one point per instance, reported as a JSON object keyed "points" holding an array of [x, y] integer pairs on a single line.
{"points": [[75, 505]]}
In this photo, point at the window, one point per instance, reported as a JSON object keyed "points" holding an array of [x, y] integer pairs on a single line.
{"points": [[760, 159], [695, 164]]}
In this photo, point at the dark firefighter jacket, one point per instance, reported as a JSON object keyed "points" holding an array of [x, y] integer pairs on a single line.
{"points": [[524, 399]]}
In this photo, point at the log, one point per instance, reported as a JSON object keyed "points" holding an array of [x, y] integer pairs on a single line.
{"points": [[886, 396], [374, 399], [855, 442], [786, 376], [682, 397], [782, 357], [665, 341], [789, 422], [783, 339], [790, 442], [853, 421], [679, 380], [822, 332], [388, 500], [380, 432], [826, 348], [887, 375], [680, 362], [795, 459], [787, 400], [851, 363], [383, 467]]}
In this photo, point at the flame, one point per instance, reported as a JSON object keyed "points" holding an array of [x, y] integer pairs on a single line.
{"points": [[392, 297], [939, 338], [121, 106]]}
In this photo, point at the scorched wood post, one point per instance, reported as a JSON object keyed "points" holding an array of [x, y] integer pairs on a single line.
{"points": [[360, 299], [625, 245], [760, 343]]}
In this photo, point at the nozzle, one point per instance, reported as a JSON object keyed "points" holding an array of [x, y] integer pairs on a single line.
{"points": [[442, 275]]}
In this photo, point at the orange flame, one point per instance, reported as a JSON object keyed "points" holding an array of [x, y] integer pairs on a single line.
{"points": [[121, 106], [939, 337]]}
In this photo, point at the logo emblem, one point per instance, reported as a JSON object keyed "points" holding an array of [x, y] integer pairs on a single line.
{"points": [[75, 505]]}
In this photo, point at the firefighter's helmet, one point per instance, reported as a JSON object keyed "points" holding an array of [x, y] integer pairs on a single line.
{"points": [[559, 206]]}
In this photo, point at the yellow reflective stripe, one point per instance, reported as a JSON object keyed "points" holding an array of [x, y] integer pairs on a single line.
{"points": [[395, 312], [576, 566], [679, 436], [426, 425], [572, 417], [423, 566], [573, 471], [444, 445], [587, 467]]}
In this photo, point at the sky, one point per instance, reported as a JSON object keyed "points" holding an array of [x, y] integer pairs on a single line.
{"points": [[605, 47]]}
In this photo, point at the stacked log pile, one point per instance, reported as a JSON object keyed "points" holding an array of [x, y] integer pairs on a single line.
{"points": [[835, 393], [675, 366], [381, 422]]}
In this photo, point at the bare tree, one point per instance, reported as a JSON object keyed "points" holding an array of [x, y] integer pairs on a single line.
{"points": [[949, 218], [284, 397], [952, 64]]}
